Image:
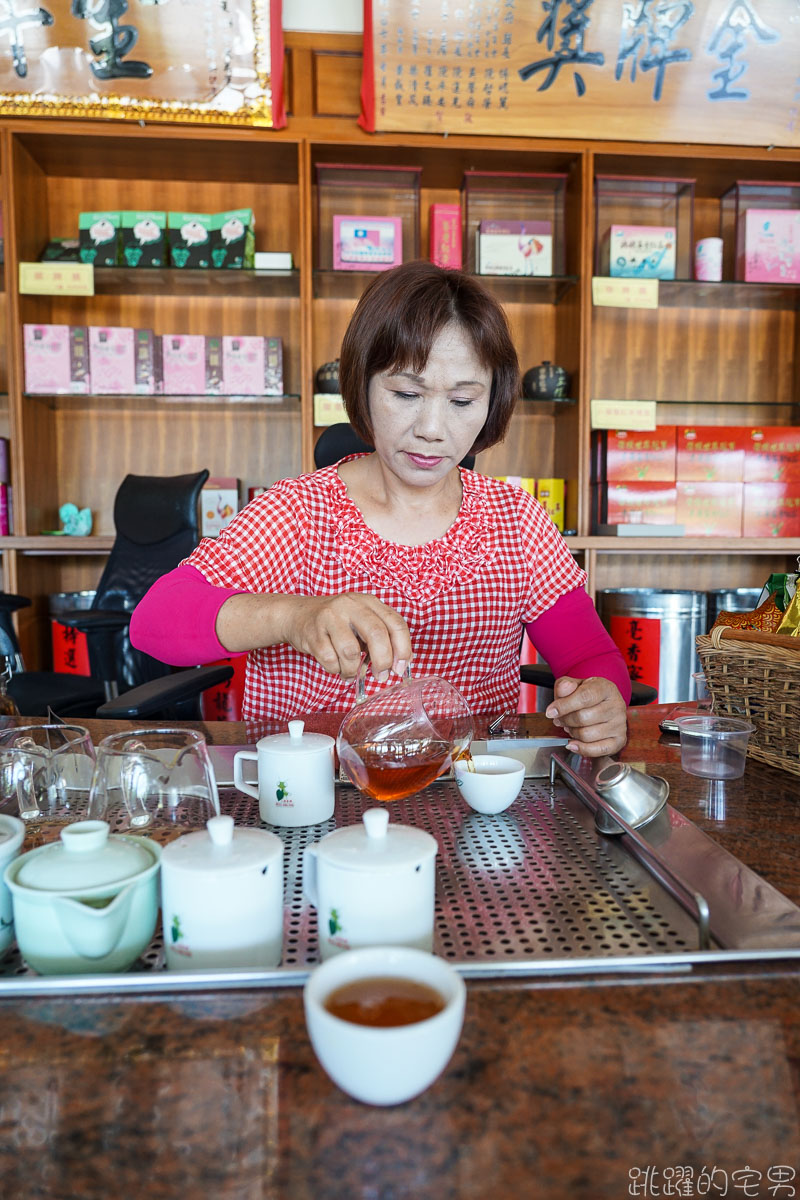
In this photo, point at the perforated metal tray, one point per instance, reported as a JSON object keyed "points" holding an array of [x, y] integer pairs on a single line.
{"points": [[533, 887]]}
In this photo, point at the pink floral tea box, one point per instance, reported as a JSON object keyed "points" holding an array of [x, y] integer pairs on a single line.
{"points": [[184, 364], [56, 360], [252, 366], [112, 359], [771, 246]]}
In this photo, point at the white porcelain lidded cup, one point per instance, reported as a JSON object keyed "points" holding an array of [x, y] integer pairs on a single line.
{"points": [[295, 776], [222, 898], [372, 885]]}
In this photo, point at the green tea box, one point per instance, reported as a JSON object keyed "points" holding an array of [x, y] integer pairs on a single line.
{"points": [[98, 234], [189, 236], [233, 238], [144, 239]]}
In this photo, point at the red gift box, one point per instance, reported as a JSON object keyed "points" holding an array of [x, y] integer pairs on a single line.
{"points": [[635, 502], [445, 235], [771, 510], [710, 453], [772, 454], [628, 454], [710, 509]]}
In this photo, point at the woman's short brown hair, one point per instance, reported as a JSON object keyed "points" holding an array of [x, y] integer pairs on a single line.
{"points": [[395, 324]]}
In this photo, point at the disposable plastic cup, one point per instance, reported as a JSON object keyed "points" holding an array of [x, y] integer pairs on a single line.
{"points": [[714, 747]]}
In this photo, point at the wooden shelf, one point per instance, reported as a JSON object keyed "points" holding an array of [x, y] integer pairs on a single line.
{"points": [[57, 544], [194, 284], [730, 352], [148, 404], [683, 545]]}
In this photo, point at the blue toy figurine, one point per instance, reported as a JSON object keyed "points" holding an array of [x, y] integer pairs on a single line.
{"points": [[77, 522]]}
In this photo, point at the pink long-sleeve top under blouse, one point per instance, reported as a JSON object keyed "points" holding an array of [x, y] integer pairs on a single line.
{"points": [[501, 567]]}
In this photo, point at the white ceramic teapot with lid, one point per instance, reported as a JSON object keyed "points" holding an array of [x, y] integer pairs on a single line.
{"points": [[222, 898], [295, 776], [372, 884]]}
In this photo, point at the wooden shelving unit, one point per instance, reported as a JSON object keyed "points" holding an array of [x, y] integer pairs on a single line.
{"points": [[716, 354]]}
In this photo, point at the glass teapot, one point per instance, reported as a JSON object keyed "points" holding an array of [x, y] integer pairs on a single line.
{"points": [[402, 738]]}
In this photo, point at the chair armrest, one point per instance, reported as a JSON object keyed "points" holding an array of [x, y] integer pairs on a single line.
{"points": [[89, 620], [160, 693], [541, 676], [10, 603]]}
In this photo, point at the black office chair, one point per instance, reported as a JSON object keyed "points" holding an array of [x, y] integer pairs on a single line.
{"points": [[339, 440], [155, 518]]}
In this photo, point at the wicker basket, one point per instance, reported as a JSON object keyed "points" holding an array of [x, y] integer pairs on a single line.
{"points": [[757, 675]]}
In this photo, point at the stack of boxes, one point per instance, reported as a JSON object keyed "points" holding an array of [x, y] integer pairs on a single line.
{"points": [[549, 492], [152, 239], [710, 480], [108, 360]]}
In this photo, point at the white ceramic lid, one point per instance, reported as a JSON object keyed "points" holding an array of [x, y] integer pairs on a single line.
{"points": [[221, 847], [86, 857], [296, 742], [376, 845]]}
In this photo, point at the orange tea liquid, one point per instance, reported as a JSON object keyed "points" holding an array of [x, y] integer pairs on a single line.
{"points": [[390, 773]]}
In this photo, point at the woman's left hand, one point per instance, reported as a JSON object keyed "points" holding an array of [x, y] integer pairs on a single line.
{"points": [[592, 713]]}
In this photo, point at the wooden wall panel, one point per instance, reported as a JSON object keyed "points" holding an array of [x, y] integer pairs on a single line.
{"points": [[337, 83]]}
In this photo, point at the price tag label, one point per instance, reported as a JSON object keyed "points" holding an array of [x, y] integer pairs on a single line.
{"points": [[56, 279], [328, 408], [624, 293], [623, 414]]}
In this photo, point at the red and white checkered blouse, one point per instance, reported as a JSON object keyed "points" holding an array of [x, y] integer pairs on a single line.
{"points": [[465, 596]]}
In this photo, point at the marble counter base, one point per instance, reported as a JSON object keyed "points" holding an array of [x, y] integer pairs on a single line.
{"points": [[554, 1091]]}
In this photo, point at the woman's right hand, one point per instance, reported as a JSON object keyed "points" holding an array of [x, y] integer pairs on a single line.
{"points": [[337, 630]]}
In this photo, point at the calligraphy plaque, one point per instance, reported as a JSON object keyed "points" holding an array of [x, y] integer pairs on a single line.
{"points": [[719, 71], [207, 61]]}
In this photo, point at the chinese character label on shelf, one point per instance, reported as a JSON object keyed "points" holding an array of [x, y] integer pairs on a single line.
{"points": [[624, 293]]}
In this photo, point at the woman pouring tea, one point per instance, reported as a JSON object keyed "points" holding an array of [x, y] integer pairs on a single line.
{"points": [[400, 553]]}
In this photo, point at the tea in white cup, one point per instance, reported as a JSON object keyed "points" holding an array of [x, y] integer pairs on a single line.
{"points": [[384, 1021]]}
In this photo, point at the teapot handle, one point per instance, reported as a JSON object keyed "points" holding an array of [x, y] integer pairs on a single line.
{"points": [[361, 677]]}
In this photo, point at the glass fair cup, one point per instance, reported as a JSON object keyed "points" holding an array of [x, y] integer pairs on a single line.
{"points": [[154, 778], [46, 771], [403, 737]]}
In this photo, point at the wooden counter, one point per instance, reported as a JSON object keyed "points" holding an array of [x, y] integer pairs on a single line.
{"points": [[560, 1087]]}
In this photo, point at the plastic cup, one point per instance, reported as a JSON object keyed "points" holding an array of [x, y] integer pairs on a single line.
{"points": [[703, 695], [714, 747]]}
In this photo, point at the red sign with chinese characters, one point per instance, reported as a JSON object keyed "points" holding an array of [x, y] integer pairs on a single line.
{"points": [[639, 641]]}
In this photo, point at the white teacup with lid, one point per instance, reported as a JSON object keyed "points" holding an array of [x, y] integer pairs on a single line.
{"points": [[222, 898], [372, 885], [295, 776]]}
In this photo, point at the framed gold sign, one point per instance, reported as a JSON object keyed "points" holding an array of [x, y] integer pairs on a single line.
{"points": [[200, 61], [635, 70]]}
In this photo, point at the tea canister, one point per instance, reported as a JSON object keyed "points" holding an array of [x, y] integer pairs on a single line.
{"points": [[545, 382], [372, 885], [222, 898]]}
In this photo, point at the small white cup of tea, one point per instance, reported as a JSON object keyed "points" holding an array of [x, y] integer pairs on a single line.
{"points": [[493, 785], [384, 1021]]}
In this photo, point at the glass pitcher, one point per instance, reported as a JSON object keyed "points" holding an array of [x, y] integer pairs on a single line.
{"points": [[398, 741]]}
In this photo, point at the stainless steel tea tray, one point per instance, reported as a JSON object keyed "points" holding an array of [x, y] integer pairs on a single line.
{"points": [[535, 890]]}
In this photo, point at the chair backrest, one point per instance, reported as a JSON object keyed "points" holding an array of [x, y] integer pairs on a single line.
{"points": [[156, 523], [338, 440]]}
